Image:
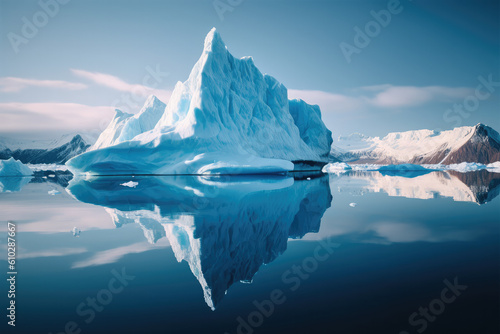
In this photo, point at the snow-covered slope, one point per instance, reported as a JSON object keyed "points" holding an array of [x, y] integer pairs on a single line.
{"points": [[478, 143], [227, 117], [14, 167], [56, 151]]}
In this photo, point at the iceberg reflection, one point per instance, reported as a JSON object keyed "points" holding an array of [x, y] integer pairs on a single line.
{"points": [[225, 228], [13, 183]]}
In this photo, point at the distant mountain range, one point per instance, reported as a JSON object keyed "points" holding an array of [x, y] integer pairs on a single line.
{"points": [[45, 152], [478, 143]]}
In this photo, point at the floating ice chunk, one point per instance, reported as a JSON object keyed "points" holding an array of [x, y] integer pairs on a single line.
{"points": [[465, 167], [352, 205], [54, 192], [493, 167], [403, 167], [76, 231], [130, 184], [14, 167], [336, 167]]}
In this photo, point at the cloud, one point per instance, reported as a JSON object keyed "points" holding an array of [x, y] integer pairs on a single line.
{"points": [[51, 253], [53, 116], [118, 84], [381, 96], [332, 102], [115, 254], [389, 96], [12, 85]]}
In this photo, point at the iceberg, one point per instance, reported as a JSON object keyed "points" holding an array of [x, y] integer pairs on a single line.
{"points": [[494, 167], [465, 167], [409, 170], [337, 167], [14, 167], [130, 184], [227, 118]]}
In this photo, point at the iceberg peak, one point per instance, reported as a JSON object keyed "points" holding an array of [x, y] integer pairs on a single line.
{"points": [[120, 114], [214, 42]]}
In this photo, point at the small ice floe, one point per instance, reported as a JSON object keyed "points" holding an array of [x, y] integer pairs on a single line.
{"points": [[130, 184], [52, 175], [53, 192], [44, 177], [76, 231], [336, 168], [308, 179], [352, 205], [493, 167]]}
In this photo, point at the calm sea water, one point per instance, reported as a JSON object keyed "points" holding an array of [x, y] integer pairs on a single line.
{"points": [[351, 253]]}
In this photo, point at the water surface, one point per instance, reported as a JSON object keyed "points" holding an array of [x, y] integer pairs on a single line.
{"points": [[350, 253]]}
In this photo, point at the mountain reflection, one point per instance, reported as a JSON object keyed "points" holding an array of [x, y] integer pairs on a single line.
{"points": [[225, 228], [479, 187]]}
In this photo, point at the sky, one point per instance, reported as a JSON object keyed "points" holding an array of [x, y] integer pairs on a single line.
{"points": [[372, 66]]}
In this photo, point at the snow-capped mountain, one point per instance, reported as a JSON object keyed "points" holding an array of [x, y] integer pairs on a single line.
{"points": [[227, 117], [478, 143], [56, 151]]}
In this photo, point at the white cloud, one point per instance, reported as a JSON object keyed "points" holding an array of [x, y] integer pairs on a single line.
{"points": [[53, 116], [329, 101], [11, 84], [113, 255], [116, 83], [381, 96], [51, 253], [389, 96]]}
